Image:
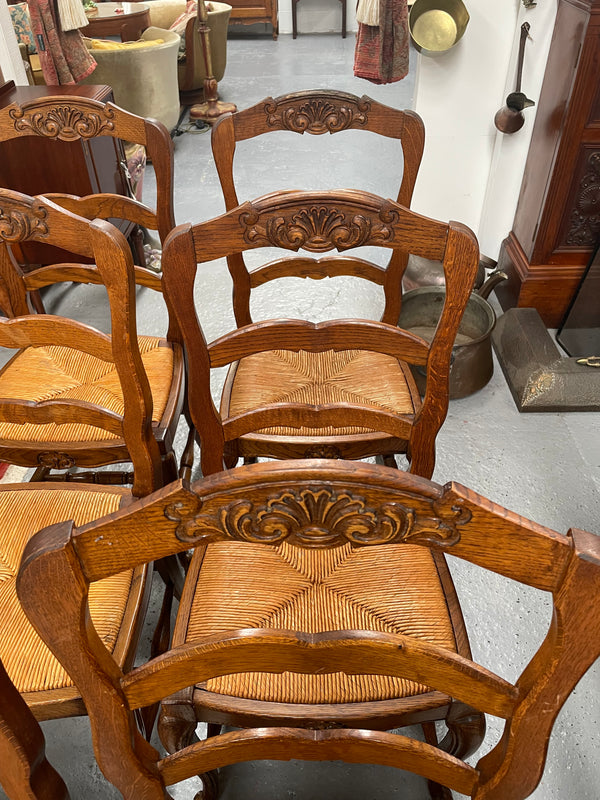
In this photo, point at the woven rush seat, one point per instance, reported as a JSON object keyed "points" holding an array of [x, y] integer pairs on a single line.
{"points": [[23, 511], [348, 376], [393, 589], [51, 373]]}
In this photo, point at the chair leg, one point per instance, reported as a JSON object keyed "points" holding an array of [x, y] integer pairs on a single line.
{"points": [[162, 633], [210, 780], [37, 302], [187, 459], [176, 729], [436, 790], [466, 729]]}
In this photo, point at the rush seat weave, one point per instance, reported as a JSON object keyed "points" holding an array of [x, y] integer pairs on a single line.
{"points": [[393, 589], [52, 373], [348, 376], [28, 662]]}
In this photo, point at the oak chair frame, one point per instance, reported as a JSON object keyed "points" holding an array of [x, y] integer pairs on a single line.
{"points": [[373, 506], [45, 225], [26, 773], [317, 112], [38, 219], [318, 222]]}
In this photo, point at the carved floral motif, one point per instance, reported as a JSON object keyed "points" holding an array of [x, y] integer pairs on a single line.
{"points": [[316, 517], [63, 122], [319, 228], [55, 460], [18, 224], [317, 116], [585, 216]]}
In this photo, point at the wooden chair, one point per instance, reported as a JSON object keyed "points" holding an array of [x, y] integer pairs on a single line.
{"points": [[341, 388], [118, 604], [25, 772], [394, 667], [71, 118], [61, 407], [317, 112]]}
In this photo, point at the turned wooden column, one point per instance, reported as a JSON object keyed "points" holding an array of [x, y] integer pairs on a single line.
{"points": [[557, 221]]}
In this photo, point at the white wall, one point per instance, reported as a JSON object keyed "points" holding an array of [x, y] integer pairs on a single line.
{"points": [[510, 151], [317, 16], [470, 171], [10, 59]]}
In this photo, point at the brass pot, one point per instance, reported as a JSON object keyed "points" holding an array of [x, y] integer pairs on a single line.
{"points": [[437, 25], [472, 365]]}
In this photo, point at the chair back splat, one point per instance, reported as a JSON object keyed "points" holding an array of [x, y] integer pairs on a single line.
{"points": [[316, 112], [71, 118], [339, 388], [319, 505]]}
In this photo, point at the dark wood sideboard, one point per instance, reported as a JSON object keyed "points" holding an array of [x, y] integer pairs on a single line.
{"points": [[557, 222], [35, 165], [247, 12]]}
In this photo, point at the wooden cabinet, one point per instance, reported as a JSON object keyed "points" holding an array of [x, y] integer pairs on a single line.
{"points": [[557, 222], [35, 165], [247, 12]]}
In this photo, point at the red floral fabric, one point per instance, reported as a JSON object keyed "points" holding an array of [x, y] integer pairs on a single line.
{"points": [[381, 54], [64, 58]]}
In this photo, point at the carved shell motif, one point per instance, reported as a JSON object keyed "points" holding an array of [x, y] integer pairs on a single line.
{"points": [[315, 517], [317, 116], [319, 228], [63, 122], [19, 224]]}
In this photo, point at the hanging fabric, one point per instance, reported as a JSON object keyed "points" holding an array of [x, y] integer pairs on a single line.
{"points": [[71, 14], [367, 12], [381, 53], [64, 58]]}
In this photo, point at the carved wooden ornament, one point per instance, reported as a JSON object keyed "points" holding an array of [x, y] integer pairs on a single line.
{"points": [[316, 116], [63, 122], [17, 225], [318, 517], [319, 228]]}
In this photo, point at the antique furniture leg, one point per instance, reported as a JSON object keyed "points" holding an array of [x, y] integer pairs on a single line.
{"points": [[212, 108], [26, 773]]}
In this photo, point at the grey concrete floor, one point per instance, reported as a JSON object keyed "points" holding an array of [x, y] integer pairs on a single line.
{"points": [[544, 466]]}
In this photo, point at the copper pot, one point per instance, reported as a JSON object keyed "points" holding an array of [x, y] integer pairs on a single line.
{"points": [[472, 365], [424, 272]]}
